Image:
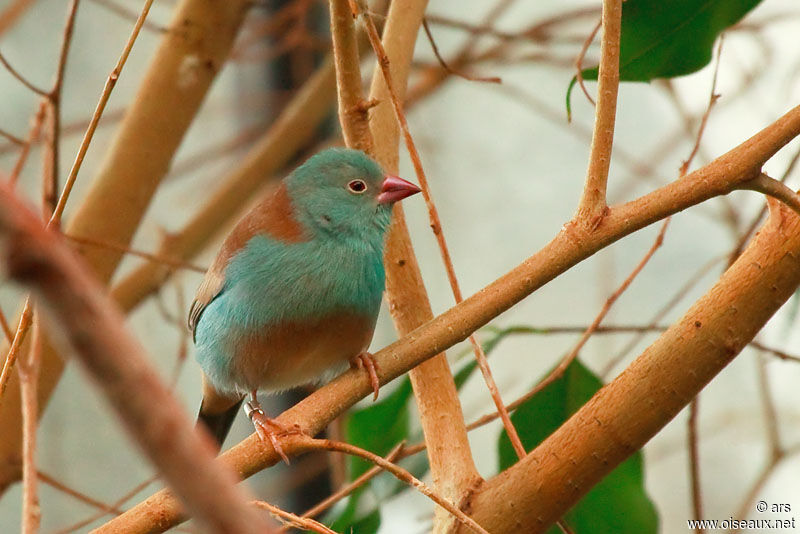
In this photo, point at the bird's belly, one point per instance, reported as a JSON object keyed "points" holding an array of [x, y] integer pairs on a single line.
{"points": [[295, 353]]}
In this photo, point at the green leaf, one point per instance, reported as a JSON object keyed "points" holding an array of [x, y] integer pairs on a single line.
{"points": [[463, 374], [667, 39], [379, 427], [349, 523], [601, 510]]}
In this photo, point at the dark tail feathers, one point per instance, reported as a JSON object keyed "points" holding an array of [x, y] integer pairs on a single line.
{"points": [[219, 424]]}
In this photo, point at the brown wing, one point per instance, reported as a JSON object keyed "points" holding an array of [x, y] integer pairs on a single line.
{"points": [[273, 215], [208, 290]]}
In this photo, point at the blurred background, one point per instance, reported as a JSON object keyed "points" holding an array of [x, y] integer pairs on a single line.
{"points": [[506, 170]]}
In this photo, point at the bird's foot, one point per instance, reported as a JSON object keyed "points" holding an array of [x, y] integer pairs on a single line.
{"points": [[269, 429], [368, 362]]}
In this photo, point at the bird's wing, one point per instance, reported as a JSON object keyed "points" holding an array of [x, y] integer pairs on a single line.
{"points": [[272, 216], [209, 289]]}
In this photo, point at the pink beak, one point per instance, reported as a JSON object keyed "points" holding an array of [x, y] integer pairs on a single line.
{"points": [[395, 188]]}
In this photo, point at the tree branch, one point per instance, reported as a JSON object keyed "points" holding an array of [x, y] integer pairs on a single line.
{"points": [[592, 206], [567, 249], [625, 414], [452, 466], [775, 189], [85, 321], [167, 100], [353, 111]]}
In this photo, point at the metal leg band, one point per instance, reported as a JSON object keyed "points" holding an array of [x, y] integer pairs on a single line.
{"points": [[250, 408]]}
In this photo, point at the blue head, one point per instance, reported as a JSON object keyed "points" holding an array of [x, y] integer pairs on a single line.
{"points": [[343, 193]]}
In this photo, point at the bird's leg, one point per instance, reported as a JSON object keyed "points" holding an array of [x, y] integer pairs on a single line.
{"points": [[367, 361], [266, 427]]}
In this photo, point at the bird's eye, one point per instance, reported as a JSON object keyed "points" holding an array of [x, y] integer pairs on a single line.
{"points": [[357, 186]]}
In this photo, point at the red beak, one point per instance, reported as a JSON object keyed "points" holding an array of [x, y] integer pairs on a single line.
{"points": [[395, 188]]}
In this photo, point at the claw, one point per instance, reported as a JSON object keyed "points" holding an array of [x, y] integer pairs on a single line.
{"points": [[268, 429], [367, 361]]}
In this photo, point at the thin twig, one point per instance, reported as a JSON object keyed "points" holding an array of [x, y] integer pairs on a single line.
{"points": [[758, 484], [54, 113], [400, 473], [772, 187], [155, 258], [129, 15], [615, 329], [16, 345], [111, 81], [758, 218], [770, 411], [579, 63], [6, 328], [448, 68], [33, 136], [661, 313], [11, 137], [712, 99], [562, 366], [344, 491], [29, 380], [114, 507], [60, 486], [435, 222], [694, 407], [20, 78], [694, 462], [293, 520]]}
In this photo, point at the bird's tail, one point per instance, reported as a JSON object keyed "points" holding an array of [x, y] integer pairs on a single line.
{"points": [[218, 424]]}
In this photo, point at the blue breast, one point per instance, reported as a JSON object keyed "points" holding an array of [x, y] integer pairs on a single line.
{"points": [[270, 281]]}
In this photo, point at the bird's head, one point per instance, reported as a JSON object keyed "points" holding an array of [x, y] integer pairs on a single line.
{"points": [[343, 191]]}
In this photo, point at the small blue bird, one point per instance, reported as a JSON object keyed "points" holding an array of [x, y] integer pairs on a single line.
{"points": [[295, 290]]}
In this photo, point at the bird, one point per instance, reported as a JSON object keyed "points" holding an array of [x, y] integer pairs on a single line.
{"points": [[294, 292]]}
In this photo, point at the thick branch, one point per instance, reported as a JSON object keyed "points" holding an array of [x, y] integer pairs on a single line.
{"points": [[352, 108], [593, 202], [624, 415], [84, 320], [168, 99], [452, 466], [567, 249]]}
